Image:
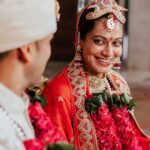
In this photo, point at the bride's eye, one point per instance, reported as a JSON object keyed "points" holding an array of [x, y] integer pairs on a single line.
{"points": [[99, 41], [117, 43]]}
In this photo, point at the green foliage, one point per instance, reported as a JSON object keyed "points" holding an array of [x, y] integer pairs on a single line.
{"points": [[60, 146], [35, 94], [92, 104]]}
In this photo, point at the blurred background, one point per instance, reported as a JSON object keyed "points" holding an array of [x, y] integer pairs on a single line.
{"points": [[136, 50]]}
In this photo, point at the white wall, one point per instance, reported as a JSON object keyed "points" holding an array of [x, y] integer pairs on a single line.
{"points": [[139, 35]]}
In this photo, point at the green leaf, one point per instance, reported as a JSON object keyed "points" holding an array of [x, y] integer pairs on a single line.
{"points": [[36, 96], [92, 104], [116, 97], [110, 101], [105, 96], [126, 98], [131, 104], [60, 146]]}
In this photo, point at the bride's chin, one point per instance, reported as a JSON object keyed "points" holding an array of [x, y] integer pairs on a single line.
{"points": [[103, 69]]}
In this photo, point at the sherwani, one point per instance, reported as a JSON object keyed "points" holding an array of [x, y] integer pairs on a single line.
{"points": [[16, 108]]}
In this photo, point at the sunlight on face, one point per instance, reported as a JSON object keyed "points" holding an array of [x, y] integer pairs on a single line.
{"points": [[100, 47]]}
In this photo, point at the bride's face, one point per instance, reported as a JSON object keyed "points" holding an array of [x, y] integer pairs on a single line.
{"points": [[100, 47]]}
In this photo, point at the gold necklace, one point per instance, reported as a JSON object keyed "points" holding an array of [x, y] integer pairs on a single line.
{"points": [[110, 85], [96, 84]]}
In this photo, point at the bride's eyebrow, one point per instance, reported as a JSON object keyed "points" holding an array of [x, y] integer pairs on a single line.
{"points": [[99, 36]]}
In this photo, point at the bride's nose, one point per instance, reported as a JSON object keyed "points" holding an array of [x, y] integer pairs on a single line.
{"points": [[108, 51]]}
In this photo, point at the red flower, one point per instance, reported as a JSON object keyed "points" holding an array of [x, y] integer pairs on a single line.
{"points": [[34, 144], [105, 129], [125, 130], [51, 136], [35, 111], [43, 126], [45, 132], [43, 122]]}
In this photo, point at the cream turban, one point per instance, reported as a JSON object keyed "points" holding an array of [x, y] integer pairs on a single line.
{"points": [[25, 21]]}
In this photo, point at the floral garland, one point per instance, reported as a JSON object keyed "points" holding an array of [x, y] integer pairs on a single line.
{"points": [[112, 122], [45, 132], [125, 130]]}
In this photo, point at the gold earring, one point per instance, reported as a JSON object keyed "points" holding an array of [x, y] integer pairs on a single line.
{"points": [[116, 64], [78, 56]]}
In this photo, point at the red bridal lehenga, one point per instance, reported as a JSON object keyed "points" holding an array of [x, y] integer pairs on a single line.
{"points": [[94, 114]]}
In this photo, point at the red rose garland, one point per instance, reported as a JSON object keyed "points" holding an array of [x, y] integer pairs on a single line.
{"points": [[34, 144], [105, 129], [44, 128], [45, 132], [111, 119], [125, 130]]}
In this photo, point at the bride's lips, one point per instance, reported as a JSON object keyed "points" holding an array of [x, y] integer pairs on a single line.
{"points": [[103, 61]]}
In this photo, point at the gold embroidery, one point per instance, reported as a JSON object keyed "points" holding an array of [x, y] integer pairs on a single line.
{"points": [[85, 128], [60, 99], [123, 86]]}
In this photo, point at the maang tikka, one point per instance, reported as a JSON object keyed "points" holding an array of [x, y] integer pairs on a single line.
{"points": [[102, 7], [110, 22]]}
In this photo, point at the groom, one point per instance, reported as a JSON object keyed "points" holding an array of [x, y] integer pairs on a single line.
{"points": [[26, 29]]}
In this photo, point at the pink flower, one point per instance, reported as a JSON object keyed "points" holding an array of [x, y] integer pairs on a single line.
{"points": [[35, 111], [113, 125], [34, 144], [51, 136], [126, 133], [43, 126], [43, 123], [105, 129]]}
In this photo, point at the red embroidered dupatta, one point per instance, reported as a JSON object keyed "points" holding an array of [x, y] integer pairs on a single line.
{"points": [[66, 96]]}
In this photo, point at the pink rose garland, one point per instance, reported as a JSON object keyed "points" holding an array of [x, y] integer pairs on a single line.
{"points": [[105, 129], [125, 130], [110, 115], [45, 131], [34, 144]]}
